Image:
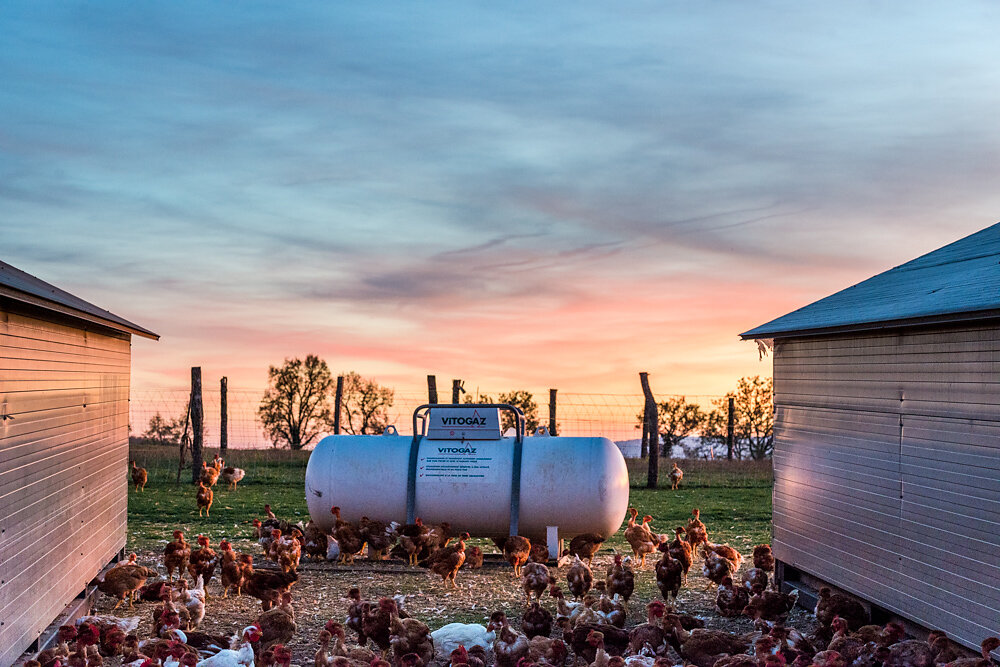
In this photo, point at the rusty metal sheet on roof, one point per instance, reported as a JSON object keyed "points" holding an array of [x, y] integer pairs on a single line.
{"points": [[957, 282], [16, 284]]}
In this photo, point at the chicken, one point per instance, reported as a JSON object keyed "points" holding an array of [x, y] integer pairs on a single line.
{"points": [[615, 641], [755, 577], [535, 579], [649, 637], [241, 656], [377, 624], [264, 585], [909, 653], [716, 568], [680, 550], [445, 562], [176, 555], [449, 637], [410, 636], [703, 647], [123, 581], [231, 573], [763, 558], [579, 578], [412, 539], [231, 476], [65, 635], [438, 537], [473, 558], [830, 604], [987, 646], [539, 554], [848, 646], [601, 658], [288, 550], [139, 476], [566, 610], [620, 579], [348, 537], [586, 546], [460, 657], [515, 551], [770, 605], [669, 575], [509, 646], [545, 651], [613, 609], [358, 655], [203, 560], [731, 599], [356, 615], [193, 600], [379, 535], [676, 475], [696, 532], [204, 498], [277, 624], [639, 537], [726, 552], [536, 621], [209, 475]]}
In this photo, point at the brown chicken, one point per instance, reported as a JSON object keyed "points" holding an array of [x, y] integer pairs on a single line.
{"points": [[209, 475], [910, 653], [697, 534], [379, 535], [377, 623], [676, 475], [356, 608], [410, 636], [536, 621], [987, 646], [539, 553], [830, 604], [669, 576], [231, 572], [615, 641], [204, 498], [288, 550], [649, 637], [755, 577], [579, 578], [731, 598], [639, 537], [770, 605], [620, 579], [348, 537], [314, 541], [763, 558], [202, 560], [509, 647], [232, 476], [726, 552], [413, 537], [473, 558], [266, 586], [123, 581], [176, 555], [701, 646], [586, 546], [446, 562], [680, 550], [139, 476], [515, 551], [535, 580], [277, 625], [716, 568]]}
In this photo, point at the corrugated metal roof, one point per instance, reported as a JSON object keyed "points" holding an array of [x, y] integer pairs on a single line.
{"points": [[20, 286], [958, 282]]}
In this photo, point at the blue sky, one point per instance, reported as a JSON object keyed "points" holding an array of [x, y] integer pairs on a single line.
{"points": [[521, 194]]}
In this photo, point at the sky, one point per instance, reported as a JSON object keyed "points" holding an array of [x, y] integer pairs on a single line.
{"points": [[519, 194]]}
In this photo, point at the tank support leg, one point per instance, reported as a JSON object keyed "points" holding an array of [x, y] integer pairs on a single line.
{"points": [[552, 537]]}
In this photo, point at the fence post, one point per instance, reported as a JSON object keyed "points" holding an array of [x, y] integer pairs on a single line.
{"points": [[644, 448], [197, 424], [456, 387], [653, 474], [552, 412], [337, 399], [731, 430], [224, 424], [432, 390]]}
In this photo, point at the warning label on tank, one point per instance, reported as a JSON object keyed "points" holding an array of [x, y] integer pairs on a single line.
{"points": [[461, 463]]}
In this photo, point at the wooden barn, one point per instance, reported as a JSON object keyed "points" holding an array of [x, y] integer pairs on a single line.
{"points": [[887, 439], [64, 393]]}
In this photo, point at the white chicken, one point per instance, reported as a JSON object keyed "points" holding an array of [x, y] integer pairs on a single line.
{"points": [[332, 548], [236, 657], [194, 600], [448, 637]]}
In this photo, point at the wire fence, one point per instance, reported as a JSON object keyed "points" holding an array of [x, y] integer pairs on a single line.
{"points": [[614, 416]]}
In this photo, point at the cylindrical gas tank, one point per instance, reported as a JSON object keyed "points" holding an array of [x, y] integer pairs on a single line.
{"points": [[579, 485]]}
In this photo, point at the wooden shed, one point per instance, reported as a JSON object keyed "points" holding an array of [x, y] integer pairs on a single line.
{"points": [[887, 439], [64, 393]]}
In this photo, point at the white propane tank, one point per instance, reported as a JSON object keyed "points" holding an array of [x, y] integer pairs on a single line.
{"points": [[577, 485]]}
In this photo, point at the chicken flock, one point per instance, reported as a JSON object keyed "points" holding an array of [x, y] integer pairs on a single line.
{"points": [[588, 623]]}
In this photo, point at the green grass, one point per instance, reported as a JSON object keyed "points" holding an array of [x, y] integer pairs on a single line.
{"points": [[734, 497]]}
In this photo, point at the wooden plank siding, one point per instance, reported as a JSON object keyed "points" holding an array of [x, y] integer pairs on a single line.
{"points": [[887, 470], [63, 466]]}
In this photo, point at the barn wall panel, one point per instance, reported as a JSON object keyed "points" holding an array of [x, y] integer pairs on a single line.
{"points": [[905, 428], [63, 467]]}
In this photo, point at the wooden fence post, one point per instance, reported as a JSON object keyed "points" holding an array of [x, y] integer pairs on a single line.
{"points": [[652, 418], [456, 387], [337, 399], [432, 390], [224, 423], [644, 447], [197, 424], [552, 412], [731, 430]]}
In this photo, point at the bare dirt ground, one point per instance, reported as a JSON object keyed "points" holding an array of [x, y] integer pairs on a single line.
{"points": [[319, 595]]}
